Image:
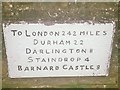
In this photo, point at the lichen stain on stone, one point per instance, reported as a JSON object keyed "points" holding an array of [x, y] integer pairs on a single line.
{"points": [[81, 12], [59, 12]]}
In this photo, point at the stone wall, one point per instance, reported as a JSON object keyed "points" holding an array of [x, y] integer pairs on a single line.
{"points": [[65, 12]]}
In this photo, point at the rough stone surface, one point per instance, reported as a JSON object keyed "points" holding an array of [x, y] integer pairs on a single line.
{"points": [[50, 13]]}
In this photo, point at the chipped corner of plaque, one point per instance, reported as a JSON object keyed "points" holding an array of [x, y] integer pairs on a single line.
{"points": [[107, 72]]}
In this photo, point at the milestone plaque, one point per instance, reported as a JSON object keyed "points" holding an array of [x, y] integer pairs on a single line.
{"points": [[60, 50]]}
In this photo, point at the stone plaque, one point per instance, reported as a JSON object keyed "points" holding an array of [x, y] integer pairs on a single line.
{"points": [[60, 50]]}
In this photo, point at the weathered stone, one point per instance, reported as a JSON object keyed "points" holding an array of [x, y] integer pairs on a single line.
{"points": [[51, 13]]}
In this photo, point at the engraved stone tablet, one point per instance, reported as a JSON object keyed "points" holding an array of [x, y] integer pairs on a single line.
{"points": [[60, 50]]}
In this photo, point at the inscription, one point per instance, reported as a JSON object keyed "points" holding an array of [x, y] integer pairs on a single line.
{"points": [[58, 50], [59, 33]]}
